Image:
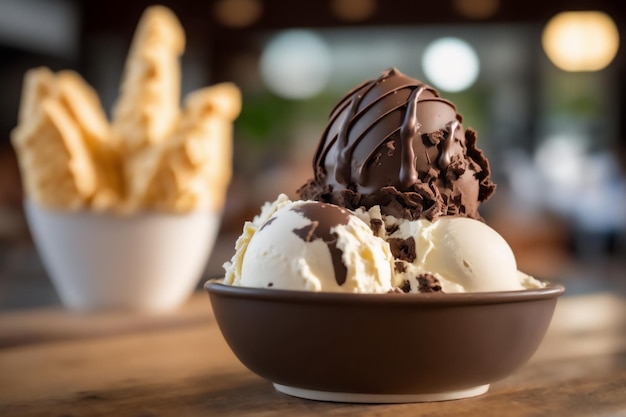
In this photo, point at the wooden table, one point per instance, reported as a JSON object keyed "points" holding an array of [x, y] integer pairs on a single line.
{"points": [[53, 363]]}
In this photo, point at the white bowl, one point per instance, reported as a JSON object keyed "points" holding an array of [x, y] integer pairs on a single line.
{"points": [[146, 261]]}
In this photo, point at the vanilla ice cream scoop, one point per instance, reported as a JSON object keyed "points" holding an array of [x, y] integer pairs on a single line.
{"points": [[313, 246], [464, 254]]}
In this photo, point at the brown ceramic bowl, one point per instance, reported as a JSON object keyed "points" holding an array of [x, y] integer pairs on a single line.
{"points": [[382, 347]]}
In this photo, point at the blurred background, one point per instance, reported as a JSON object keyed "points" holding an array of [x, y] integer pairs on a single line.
{"points": [[543, 82]]}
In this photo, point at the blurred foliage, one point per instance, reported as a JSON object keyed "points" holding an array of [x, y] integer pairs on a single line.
{"points": [[263, 118], [578, 94], [473, 104]]}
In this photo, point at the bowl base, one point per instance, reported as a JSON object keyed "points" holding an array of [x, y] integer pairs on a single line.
{"points": [[347, 397]]}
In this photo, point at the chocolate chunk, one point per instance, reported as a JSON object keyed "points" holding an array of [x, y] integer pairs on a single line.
{"points": [[376, 225], [428, 283], [403, 249], [400, 266]]}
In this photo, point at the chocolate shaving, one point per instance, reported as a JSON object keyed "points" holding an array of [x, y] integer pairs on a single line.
{"points": [[376, 225], [428, 283], [403, 249]]}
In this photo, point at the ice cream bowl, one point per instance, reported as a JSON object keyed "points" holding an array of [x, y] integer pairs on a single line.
{"points": [[382, 348], [145, 261]]}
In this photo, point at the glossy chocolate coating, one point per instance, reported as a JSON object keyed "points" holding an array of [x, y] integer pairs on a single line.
{"points": [[395, 142]]}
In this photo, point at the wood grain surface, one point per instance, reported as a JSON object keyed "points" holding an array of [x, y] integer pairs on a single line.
{"points": [[53, 363]]}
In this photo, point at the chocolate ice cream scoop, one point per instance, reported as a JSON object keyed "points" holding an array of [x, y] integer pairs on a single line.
{"points": [[395, 142]]}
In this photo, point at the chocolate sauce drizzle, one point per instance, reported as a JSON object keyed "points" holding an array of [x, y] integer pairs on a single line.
{"points": [[324, 217], [446, 150], [409, 131], [342, 169]]}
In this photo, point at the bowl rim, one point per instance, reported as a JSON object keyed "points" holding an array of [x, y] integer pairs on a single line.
{"points": [[440, 299]]}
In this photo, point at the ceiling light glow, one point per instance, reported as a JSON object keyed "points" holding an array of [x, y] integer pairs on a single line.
{"points": [[451, 64], [296, 64], [581, 41]]}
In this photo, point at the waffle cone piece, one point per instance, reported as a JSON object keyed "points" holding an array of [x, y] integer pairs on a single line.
{"points": [[153, 155]]}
